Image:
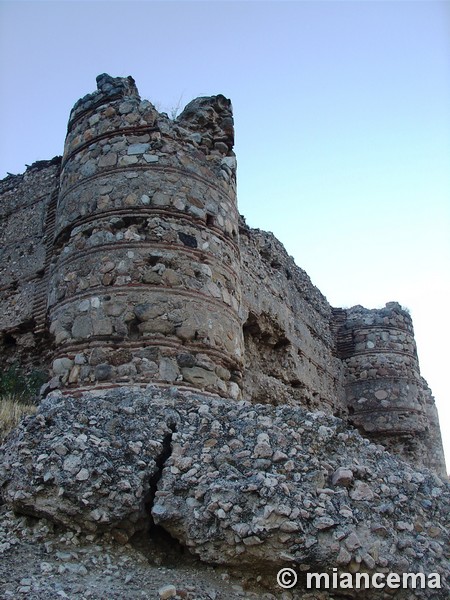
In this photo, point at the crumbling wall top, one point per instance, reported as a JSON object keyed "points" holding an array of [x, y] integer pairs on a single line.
{"points": [[108, 88], [12, 181], [214, 115], [392, 314]]}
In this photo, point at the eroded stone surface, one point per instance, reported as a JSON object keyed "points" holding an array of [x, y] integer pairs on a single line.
{"points": [[238, 484]]}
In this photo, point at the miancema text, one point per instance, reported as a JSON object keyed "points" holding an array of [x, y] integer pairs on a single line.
{"points": [[377, 580]]}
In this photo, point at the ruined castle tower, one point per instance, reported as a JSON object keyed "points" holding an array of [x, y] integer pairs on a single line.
{"points": [[145, 280], [126, 263], [386, 396]]}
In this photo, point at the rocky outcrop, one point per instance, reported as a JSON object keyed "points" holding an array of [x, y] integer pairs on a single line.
{"points": [[252, 486]]}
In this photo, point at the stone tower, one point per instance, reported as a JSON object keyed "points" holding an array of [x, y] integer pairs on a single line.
{"points": [[387, 398], [145, 278]]}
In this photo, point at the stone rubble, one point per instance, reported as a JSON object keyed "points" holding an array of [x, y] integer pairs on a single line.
{"points": [[253, 487], [39, 561]]}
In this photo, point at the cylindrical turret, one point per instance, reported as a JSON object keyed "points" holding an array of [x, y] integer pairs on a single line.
{"points": [[386, 396], [146, 276]]}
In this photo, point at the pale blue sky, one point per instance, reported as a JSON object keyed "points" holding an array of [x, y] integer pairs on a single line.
{"points": [[342, 115]]}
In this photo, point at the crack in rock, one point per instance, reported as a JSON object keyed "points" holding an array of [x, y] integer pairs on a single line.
{"points": [[243, 485], [160, 461]]}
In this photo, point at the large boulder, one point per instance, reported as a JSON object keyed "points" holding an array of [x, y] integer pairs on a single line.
{"points": [[88, 462], [253, 486]]}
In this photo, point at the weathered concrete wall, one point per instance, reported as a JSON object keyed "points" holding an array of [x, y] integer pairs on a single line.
{"points": [[257, 487], [144, 273]]}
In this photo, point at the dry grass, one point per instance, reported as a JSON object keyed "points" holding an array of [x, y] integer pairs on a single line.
{"points": [[11, 412]]}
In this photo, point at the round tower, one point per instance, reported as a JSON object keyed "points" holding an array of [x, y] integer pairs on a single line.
{"points": [[146, 272], [385, 392]]}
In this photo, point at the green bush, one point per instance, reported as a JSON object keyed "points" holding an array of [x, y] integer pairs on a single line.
{"points": [[21, 385]]}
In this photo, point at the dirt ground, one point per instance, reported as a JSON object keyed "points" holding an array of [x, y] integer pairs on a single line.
{"points": [[40, 561]]}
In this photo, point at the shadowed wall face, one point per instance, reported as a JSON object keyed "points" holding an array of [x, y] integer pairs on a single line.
{"points": [[146, 280], [26, 245]]}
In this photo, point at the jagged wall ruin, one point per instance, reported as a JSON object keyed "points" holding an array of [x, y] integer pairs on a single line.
{"points": [[290, 345], [126, 263]]}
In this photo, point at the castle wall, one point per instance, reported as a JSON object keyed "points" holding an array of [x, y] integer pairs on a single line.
{"points": [[146, 281], [26, 235], [127, 264], [290, 346], [434, 455]]}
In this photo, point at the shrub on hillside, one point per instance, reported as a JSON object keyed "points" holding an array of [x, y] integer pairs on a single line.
{"points": [[21, 385]]}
